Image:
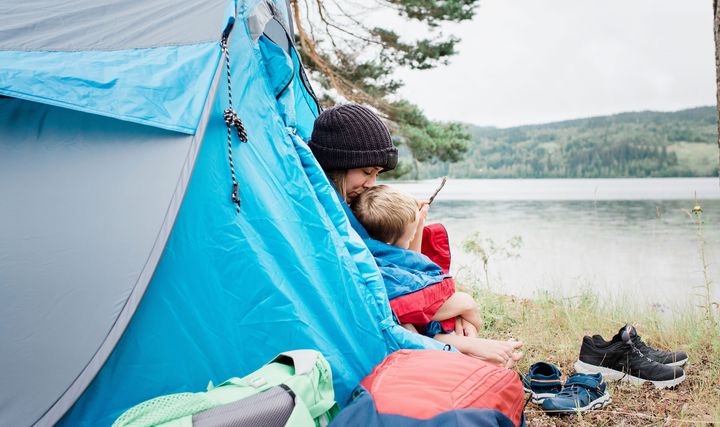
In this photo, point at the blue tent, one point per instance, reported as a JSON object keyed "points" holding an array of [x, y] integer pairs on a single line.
{"points": [[126, 269]]}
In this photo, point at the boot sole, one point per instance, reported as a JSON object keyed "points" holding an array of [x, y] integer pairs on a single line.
{"points": [[538, 398], [598, 403], [613, 375]]}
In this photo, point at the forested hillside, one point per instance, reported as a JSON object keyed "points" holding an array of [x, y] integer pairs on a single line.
{"points": [[640, 144]]}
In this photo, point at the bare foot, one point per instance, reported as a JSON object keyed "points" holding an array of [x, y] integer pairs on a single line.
{"points": [[502, 353]]}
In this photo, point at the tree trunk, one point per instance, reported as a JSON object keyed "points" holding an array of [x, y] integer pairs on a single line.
{"points": [[716, 25]]}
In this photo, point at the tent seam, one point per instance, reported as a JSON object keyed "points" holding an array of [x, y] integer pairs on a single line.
{"points": [[68, 106], [193, 43]]}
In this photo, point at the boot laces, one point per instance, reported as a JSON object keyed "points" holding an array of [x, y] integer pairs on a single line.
{"points": [[635, 344]]}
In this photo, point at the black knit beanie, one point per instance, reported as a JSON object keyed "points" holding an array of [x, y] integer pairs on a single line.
{"points": [[352, 136]]}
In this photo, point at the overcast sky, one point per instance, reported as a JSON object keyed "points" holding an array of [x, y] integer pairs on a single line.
{"points": [[535, 61]]}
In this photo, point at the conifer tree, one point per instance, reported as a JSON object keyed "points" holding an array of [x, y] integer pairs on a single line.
{"points": [[354, 58]]}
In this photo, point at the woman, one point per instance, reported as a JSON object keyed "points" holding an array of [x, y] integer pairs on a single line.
{"points": [[354, 146]]}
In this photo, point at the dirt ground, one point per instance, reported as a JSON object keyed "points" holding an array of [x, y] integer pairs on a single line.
{"points": [[690, 403]]}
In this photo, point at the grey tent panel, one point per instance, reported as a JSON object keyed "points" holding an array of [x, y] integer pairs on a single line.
{"points": [[290, 19], [84, 199], [46, 25], [276, 32]]}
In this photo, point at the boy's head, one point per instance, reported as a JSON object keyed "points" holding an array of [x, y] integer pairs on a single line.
{"points": [[388, 215]]}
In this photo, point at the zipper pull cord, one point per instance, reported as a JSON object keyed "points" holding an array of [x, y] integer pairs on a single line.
{"points": [[232, 119]]}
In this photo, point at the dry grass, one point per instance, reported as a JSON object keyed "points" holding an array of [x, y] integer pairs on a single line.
{"points": [[552, 329]]}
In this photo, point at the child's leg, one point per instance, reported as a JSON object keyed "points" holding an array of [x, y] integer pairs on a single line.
{"points": [[468, 329], [459, 326], [465, 328], [502, 353], [460, 304]]}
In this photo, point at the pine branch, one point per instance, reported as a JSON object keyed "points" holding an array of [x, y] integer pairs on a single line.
{"points": [[344, 87], [328, 22]]}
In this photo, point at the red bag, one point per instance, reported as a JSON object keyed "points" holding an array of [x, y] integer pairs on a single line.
{"points": [[424, 383], [436, 245]]}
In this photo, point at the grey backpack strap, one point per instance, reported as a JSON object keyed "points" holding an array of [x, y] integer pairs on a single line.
{"points": [[271, 408]]}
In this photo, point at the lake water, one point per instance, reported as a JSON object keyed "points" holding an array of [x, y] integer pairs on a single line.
{"points": [[629, 238]]}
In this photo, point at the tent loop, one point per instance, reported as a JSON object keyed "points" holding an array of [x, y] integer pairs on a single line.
{"points": [[232, 120]]}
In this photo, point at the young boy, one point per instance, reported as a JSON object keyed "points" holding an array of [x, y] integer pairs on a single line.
{"points": [[396, 218]]}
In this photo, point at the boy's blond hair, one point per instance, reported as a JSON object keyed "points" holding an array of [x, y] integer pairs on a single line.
{"points": [[384, 212]]}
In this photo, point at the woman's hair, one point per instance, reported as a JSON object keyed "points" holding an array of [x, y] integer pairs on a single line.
{"points": [[384, 212], [339, 179]]}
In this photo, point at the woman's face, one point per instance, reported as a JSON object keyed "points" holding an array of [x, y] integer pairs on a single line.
{"points": [[359, 180]]}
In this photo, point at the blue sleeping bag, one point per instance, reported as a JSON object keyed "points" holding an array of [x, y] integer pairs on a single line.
{"points": [[404, 271]]}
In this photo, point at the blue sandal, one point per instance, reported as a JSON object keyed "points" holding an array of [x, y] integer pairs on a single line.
{"points": [[581, 393], [542, 381]]}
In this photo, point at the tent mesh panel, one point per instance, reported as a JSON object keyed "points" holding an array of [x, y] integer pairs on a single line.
{"points": [[163, 409]]}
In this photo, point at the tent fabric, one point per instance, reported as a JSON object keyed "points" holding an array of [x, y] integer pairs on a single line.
{"points": [[94, 25], [298, 104], [153, 67], [102, 204], [165, 87], [86, 212]]}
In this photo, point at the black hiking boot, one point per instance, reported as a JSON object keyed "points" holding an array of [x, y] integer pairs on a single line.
{"points": [[624, 361], [672, 358]]}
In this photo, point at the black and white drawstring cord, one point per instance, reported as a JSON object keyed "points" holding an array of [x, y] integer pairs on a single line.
{"points": [[232, 120]]}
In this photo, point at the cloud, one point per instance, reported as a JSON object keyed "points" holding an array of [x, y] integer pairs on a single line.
{"points": [[530, 61]]}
